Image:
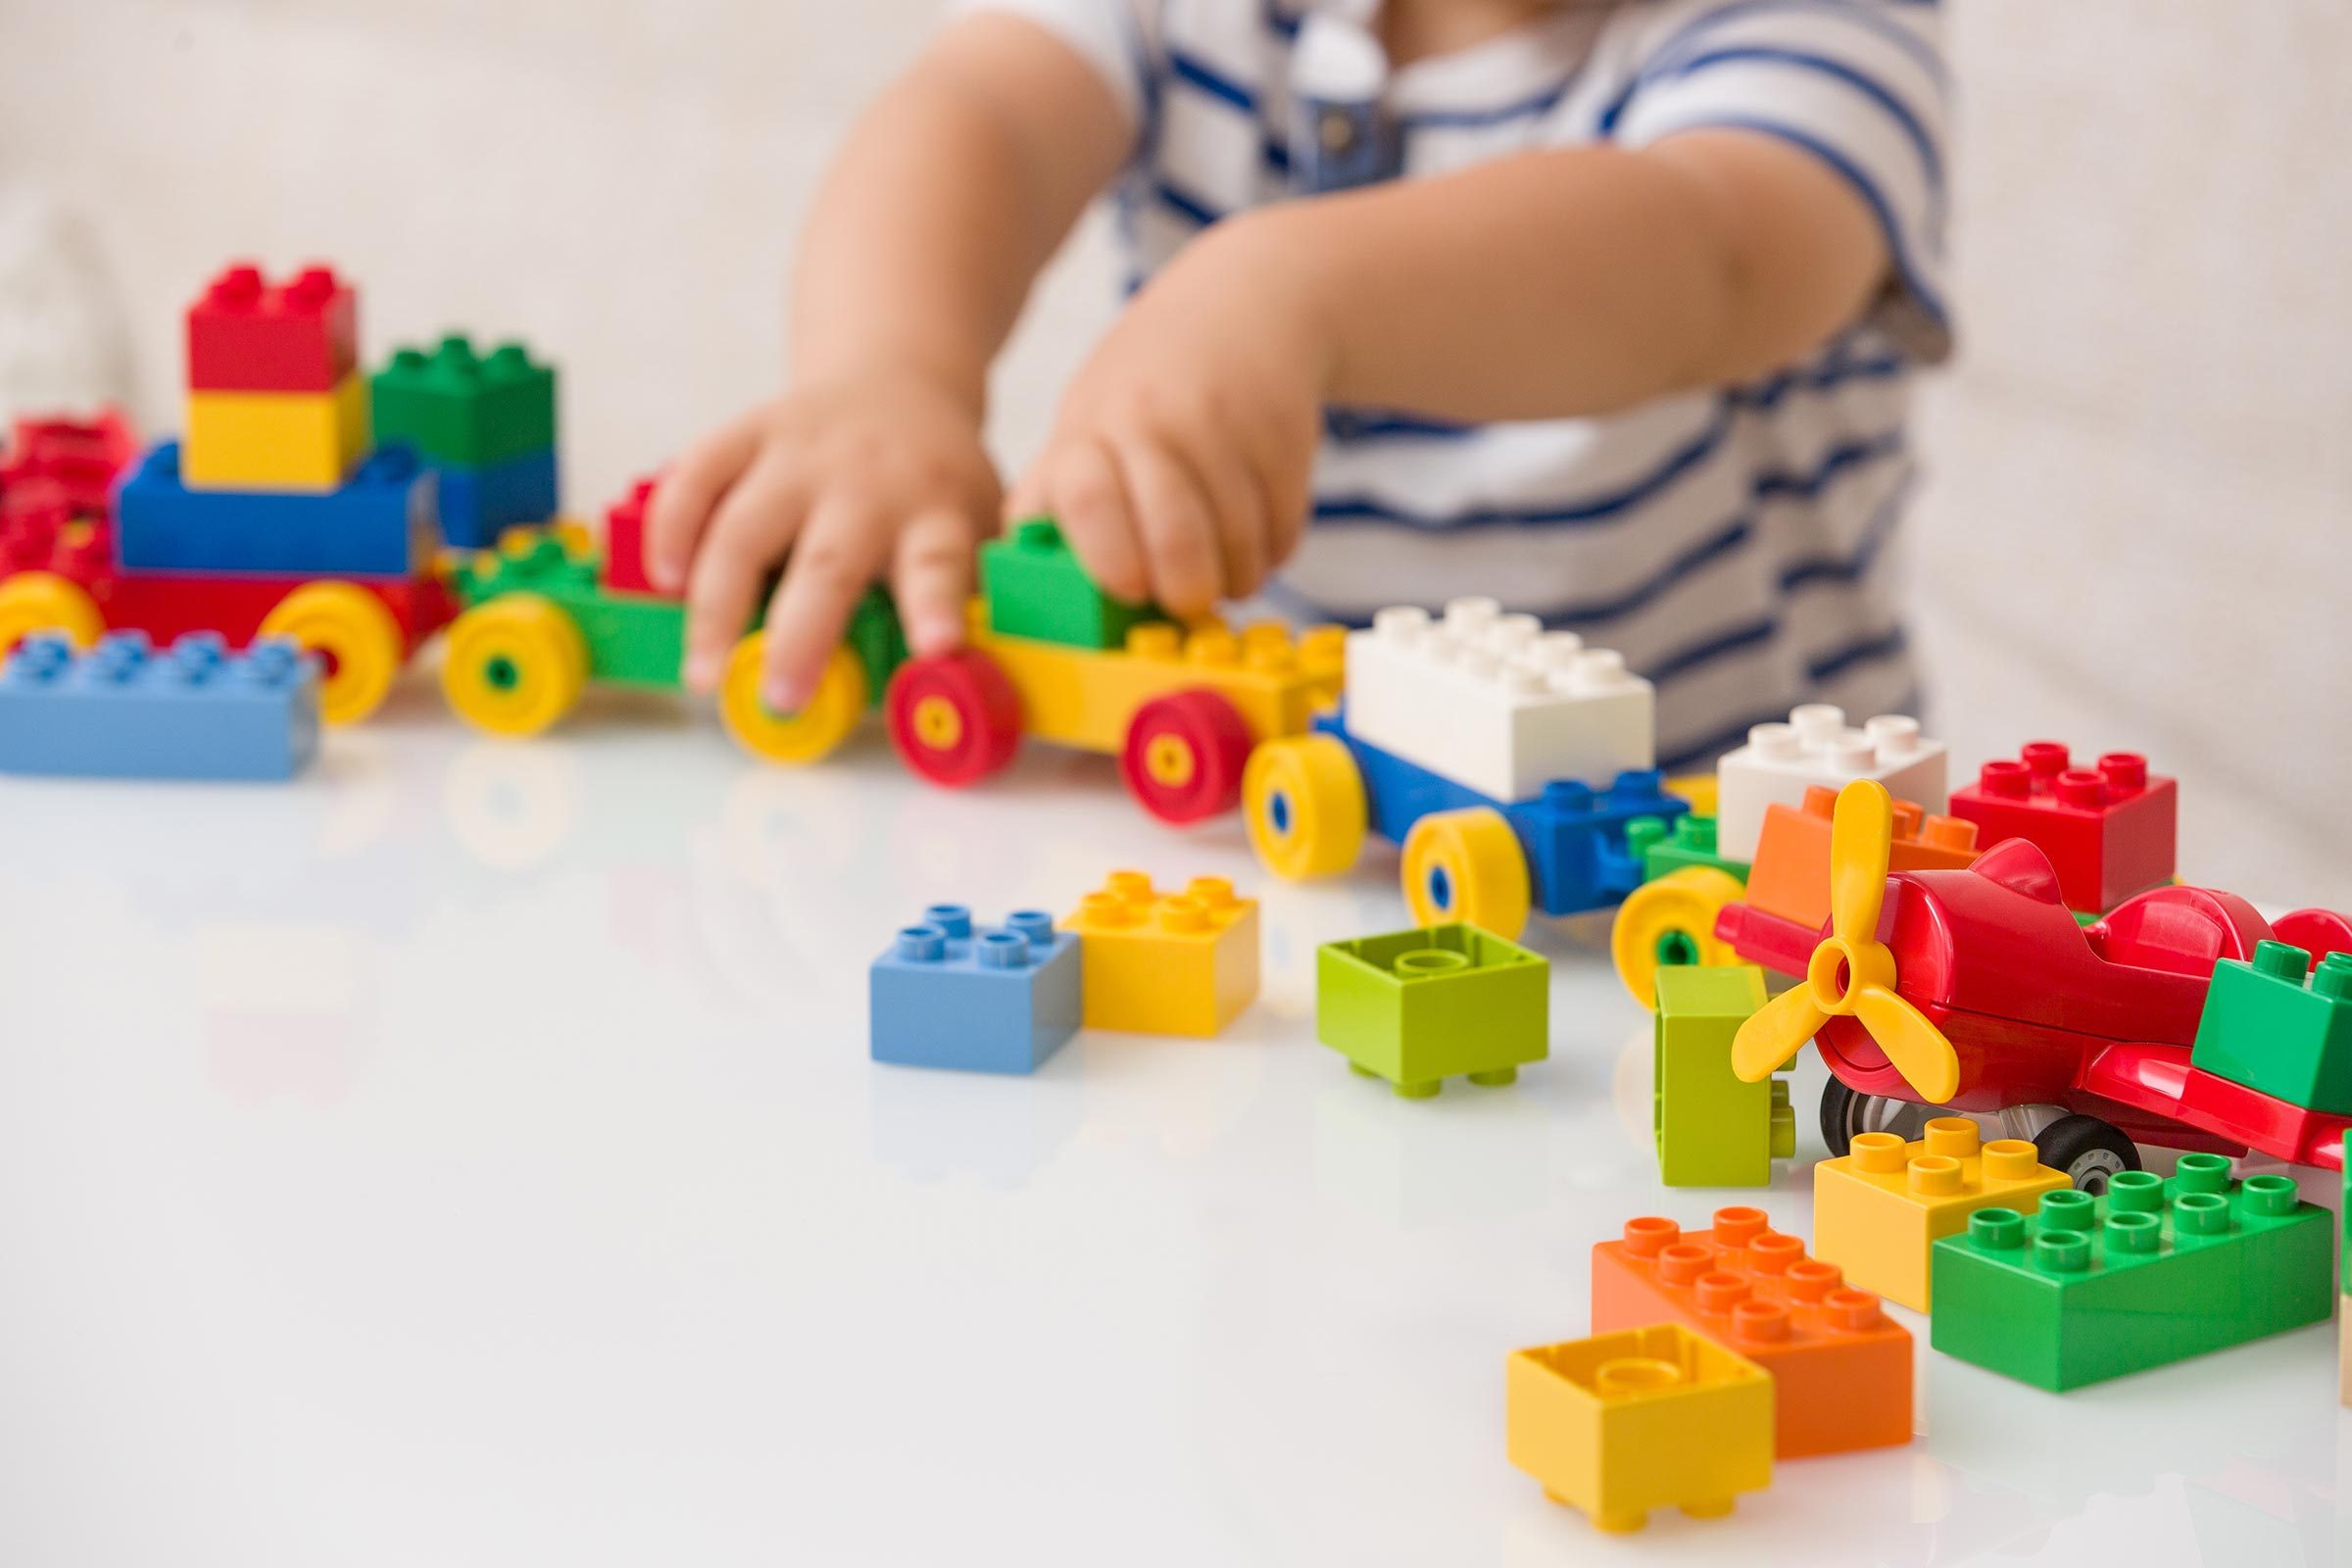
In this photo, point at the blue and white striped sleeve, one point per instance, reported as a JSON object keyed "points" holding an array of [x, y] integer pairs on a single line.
{"points": [[1858, 83], [1112, 35]]}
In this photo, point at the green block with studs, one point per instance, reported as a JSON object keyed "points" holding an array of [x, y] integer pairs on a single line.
{"points": [[2155, 1271], [1691, 841], [462, 408], [1035, 588], [1712, 1129], [1440, 1002], [2282, 1027]]}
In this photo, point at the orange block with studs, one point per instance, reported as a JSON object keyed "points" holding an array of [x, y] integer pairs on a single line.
{"points": [[1791, 877], [1167, 964], [1840, 1367]]}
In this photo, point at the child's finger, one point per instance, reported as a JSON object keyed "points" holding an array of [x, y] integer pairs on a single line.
{"points": [[931, 575], [754, 525], [832, 563], [1224, 475], [687, 496], [1078, 481], [1180, 536]]}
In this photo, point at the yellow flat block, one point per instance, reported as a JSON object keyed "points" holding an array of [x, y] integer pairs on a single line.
{"points": [[276, 440], [1086, 697], [1878, 1211], [1622, 1423], [1167, 964]]}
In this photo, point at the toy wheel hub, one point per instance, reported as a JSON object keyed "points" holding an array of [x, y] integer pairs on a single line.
{"points": [[937, 724], [1169, 760]]}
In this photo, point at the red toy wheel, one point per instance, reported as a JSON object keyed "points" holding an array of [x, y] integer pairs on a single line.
{"points": [[954, 718], [1184, 756]]}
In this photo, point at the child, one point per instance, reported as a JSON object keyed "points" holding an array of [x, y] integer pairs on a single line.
{"points": [[1603, 310]]}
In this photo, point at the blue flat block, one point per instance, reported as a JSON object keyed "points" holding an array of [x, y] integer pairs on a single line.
{"points": [[992, 1000], [123, 711], [379, 524], [1573, 835], [478, 505]]}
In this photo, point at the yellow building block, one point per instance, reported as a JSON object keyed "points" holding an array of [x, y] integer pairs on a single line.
{"points": [[1086, 697], [276, 440], [1878, 1211], [1622, 1423], [1167, 964]]}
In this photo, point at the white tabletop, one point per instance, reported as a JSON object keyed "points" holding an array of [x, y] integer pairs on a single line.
{"points": [[469, 1155]]}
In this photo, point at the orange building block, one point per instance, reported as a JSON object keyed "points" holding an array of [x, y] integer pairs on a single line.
{"points": [[1840, 1367], [1791, 877]]}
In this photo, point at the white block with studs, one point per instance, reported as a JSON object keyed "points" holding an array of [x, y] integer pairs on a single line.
{"points": [[1817, 746], [1493, 702]]}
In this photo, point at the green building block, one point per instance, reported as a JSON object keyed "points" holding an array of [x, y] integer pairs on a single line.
{"points": [[1691, 841], [457, 408], [2154, 1272], [2282, 1027], [1444, 1002], [1713, 1130], [1035, 588]]}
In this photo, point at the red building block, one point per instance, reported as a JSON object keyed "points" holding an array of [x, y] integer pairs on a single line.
{"points": [[2109, 830], [624, 541], [71, 462], [246, 336], [1840, 1367]]}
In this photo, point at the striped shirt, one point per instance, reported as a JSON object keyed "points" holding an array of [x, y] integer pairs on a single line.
{"points": [[1737, 546]]}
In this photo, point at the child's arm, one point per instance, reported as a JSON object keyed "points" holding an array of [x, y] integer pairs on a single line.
{"points": [[950, 195], [1553, 285]]}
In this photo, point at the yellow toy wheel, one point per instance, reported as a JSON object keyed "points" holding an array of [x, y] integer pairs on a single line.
{"points": [[42, 601], [1668, 922], [515, 666], [806, 735], [1466, 865], [1305, 802], [355, 638]]}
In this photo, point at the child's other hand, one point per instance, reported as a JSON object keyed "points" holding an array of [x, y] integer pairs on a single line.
{"points": [[853, 477], [1180, 462]]}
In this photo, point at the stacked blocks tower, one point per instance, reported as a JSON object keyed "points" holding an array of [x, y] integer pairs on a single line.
{"points": [[1817, 749], [276, 401], [1654, 1417], [1878, 1212], [1840, 1367], [2109, 830], [1035, 588], [1167, 964], [1494, 703], [2279, 1025], [1440, 1002], [2156, 1271], [486, 426], [121, 711], [997, 999], [1713, 1129]]}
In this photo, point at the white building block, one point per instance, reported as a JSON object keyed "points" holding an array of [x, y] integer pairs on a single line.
{"points": [[1780, 761], [1494, 703]]}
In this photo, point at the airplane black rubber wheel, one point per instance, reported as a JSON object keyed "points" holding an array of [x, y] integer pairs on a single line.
{"points": [[2088, 1149], [1846, 1111]]}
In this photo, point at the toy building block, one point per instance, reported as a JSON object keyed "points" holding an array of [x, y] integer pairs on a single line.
{"points": [[1878, 1212], [978, 1000], [2156, 1271], [2282, 1026], [2109, 830], [1440, 1002], [379, 524], [1840, 1367], [1035, 588], [276, 440], [248, 335], [1167, 964], [624, 541], [120, 711], [1712, 1128], [1815, 748], [478, 505], [1494, 703], [1646, 1419], [460, 410], [73, 460], [1664, 848], [1790, 876]]}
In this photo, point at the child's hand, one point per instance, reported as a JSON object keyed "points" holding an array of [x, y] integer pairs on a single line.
{"points": [[1180, 463], [852, 476]]}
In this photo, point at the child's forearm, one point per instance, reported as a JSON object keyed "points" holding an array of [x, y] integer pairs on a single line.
{"points": [[1575, 281]]}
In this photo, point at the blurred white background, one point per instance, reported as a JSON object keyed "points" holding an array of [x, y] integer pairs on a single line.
{"points": [[2133, 531]]}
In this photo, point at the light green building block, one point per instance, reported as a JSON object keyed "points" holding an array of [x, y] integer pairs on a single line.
{"points": [[1035, 588], [1444, 1002], [1712, 1129]]}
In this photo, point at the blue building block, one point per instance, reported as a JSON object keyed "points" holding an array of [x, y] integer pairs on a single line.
{"points": [[1574, 836], [379, 524], [121, 711], [478, 505], [993, 1001]]}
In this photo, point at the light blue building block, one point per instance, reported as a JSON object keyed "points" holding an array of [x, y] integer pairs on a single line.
{"points": [[999, 999], [123, 711], [478, 505], [379, 524]]}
